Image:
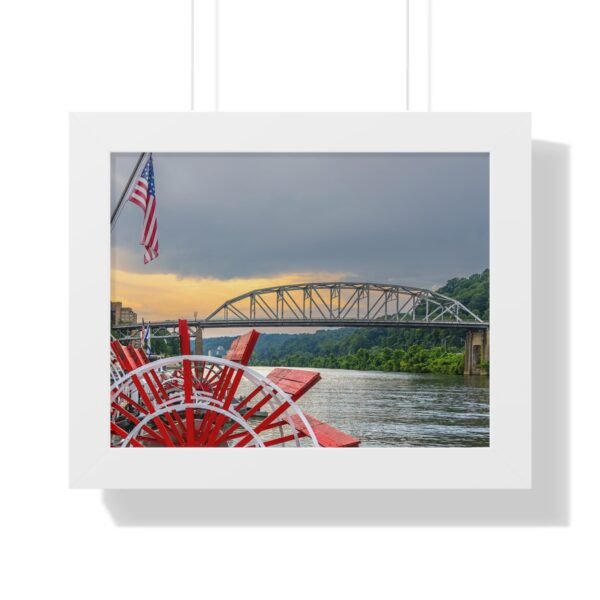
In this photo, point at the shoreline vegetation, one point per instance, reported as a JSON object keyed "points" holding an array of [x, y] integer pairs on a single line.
{"points": [[416, 359], [370, 349]]}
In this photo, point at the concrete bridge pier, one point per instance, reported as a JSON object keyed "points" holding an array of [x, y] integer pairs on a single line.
{"points": [[198, 348], [477, 351]]}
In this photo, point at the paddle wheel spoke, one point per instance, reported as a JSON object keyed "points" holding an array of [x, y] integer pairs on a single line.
{"points": [[134, 420], [123, 434], [203, 401]]}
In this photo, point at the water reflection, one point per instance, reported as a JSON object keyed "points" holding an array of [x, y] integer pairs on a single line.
{"points": [[402, 409]]}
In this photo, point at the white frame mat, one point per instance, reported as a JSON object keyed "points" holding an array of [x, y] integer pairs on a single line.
{"points": [[506, 463]]}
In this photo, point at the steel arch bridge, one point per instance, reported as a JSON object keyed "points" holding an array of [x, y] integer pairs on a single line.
{"points": [[329, 304]]}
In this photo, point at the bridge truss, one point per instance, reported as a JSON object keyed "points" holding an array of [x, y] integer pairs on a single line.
{"points": [[333, 304]]}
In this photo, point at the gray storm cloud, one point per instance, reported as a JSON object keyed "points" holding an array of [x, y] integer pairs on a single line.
{"points": [[417, 219]]}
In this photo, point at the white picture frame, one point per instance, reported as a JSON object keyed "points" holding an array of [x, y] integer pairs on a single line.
{"points": [[505, 464]]}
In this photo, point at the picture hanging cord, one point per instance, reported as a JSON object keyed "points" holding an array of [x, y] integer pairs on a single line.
{"points": [[407, 65], [429, 53], [217, 23], [192, 55], [193, 52]]}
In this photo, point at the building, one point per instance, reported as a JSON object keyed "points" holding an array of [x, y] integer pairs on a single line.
{"points": [[121, 315]]}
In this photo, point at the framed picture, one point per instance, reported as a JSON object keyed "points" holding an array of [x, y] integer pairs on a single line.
{"points": [[300, 301]]}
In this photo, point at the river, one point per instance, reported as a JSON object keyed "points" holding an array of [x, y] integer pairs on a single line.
{"points": [[401, 409]]}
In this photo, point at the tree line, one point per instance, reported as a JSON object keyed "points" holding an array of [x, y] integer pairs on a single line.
{"points": [[416, 350], [367, 349]]}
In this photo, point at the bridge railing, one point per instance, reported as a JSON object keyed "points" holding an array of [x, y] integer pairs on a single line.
{"points": [[340, 301]]}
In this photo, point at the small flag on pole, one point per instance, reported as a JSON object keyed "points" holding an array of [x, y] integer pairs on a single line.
{"points": [[144, 196], [145, 337]]}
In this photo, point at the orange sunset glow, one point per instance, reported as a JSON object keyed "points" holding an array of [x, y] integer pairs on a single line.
{"points": [[165, 296]]}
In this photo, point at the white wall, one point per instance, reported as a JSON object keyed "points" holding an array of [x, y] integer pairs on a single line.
{"points": [[65, 55]]}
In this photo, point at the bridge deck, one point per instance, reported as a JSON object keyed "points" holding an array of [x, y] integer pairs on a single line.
{"points": [[335, 304], [309, 323]]}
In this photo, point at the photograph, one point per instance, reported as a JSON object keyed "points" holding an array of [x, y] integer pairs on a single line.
{"points": [[361, 236], [331, 300]]}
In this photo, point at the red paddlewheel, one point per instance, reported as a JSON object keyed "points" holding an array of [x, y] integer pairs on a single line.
{"points": [[116, 371], [202, 401], [232, 406]]}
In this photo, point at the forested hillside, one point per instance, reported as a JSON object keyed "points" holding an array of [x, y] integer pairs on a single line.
{"points": [[385, 349], [416, 350], [473, 292]]}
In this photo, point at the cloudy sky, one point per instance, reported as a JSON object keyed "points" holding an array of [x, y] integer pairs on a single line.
{"points": [[229, 223]]}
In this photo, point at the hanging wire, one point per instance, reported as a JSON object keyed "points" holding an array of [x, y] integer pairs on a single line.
{"points": [[217, 57], [407, 55], [429, 52], [192, 57]]}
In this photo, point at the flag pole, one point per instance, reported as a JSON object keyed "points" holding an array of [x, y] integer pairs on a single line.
{"points": [[117, 210]]}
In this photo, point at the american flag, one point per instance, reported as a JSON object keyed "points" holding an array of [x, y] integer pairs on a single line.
{"points": [[145, 337], [144, 196]]}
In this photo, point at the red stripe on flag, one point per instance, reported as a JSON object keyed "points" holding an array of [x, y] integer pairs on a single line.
{"points": [[138, 203], [152, 238], [149, 220], [142, 196]]}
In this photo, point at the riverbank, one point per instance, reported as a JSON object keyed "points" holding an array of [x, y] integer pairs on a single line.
{"points": [[415, 359]]}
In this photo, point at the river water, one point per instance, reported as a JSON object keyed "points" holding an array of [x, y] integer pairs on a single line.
{"points": [[401, 409]]}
